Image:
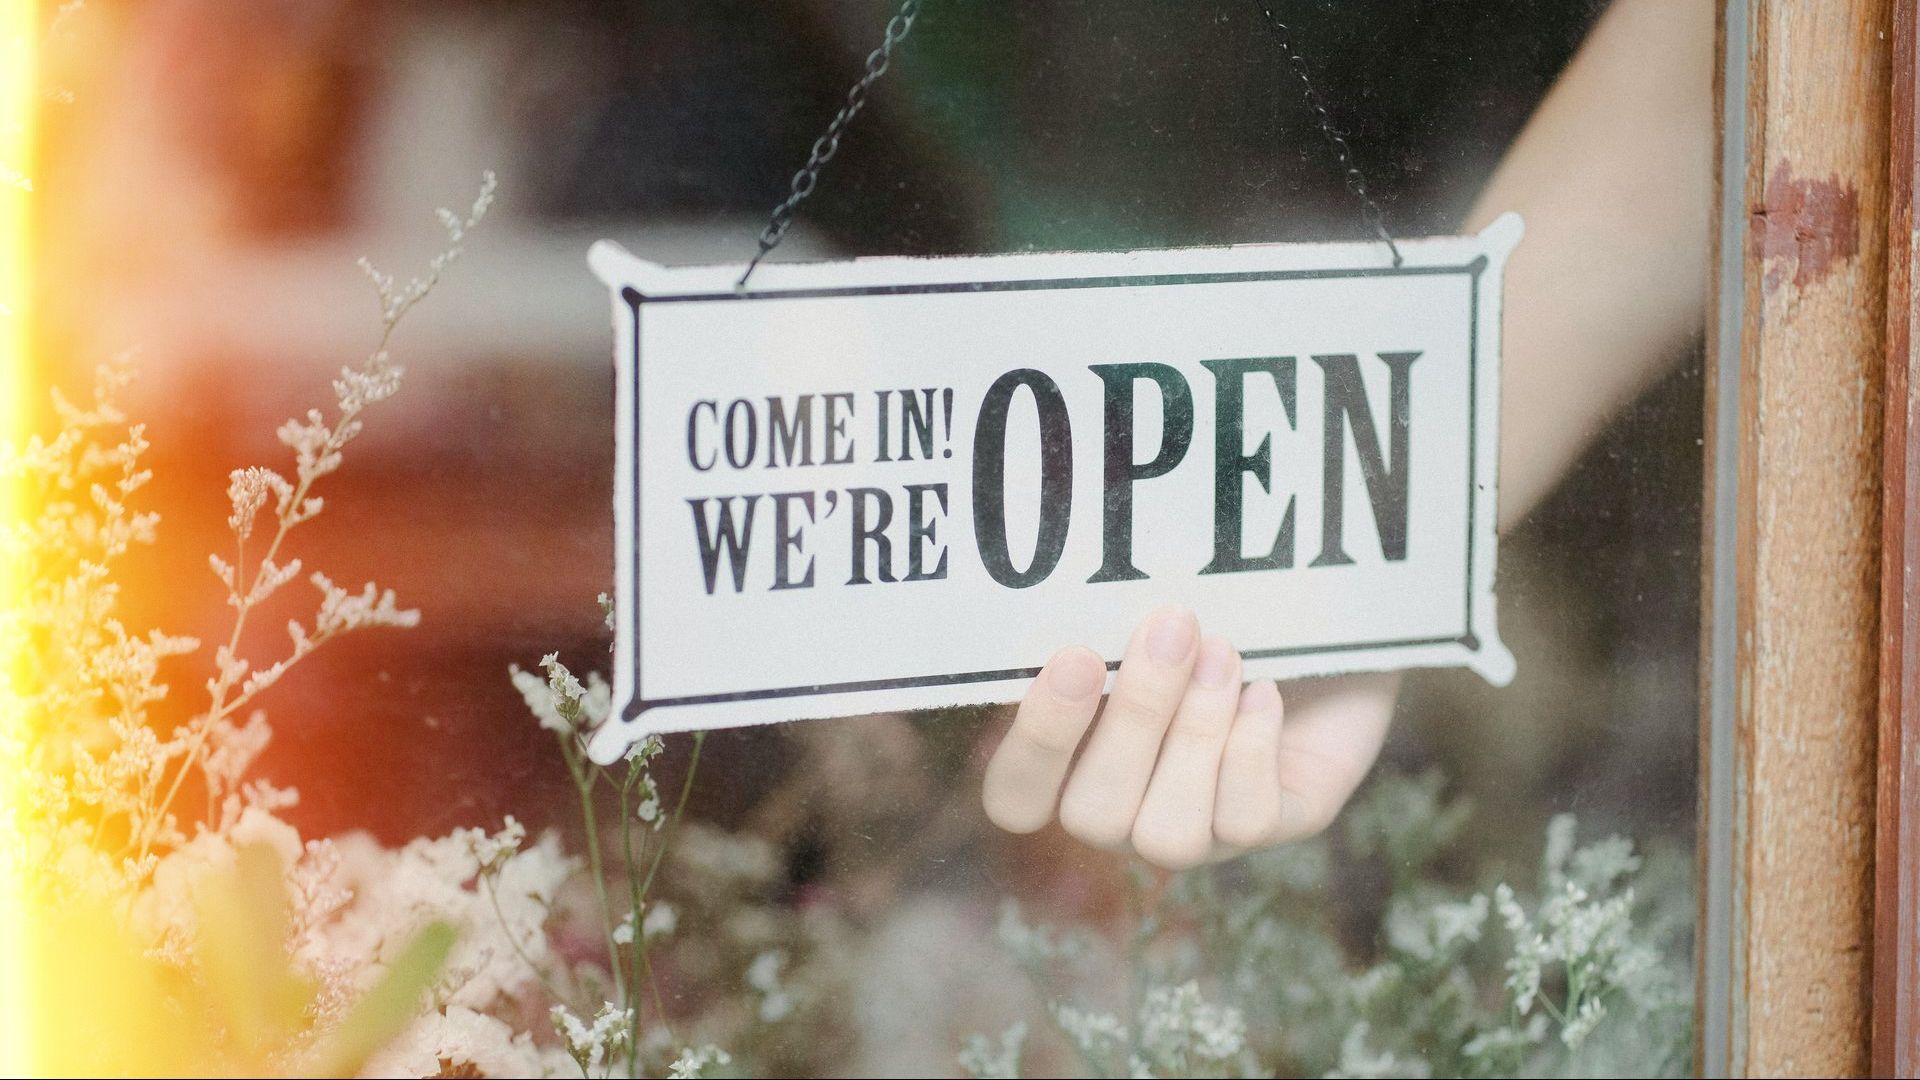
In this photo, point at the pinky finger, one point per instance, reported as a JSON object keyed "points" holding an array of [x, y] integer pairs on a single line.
{"points": [[1248, 808]]}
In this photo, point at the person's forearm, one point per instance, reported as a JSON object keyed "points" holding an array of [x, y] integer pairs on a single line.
{"points": [[1613, 175]]}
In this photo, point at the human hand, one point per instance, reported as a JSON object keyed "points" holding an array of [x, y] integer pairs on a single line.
{"points": [[1184, 766]]}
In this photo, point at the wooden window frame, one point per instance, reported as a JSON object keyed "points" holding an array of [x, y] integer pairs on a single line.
{"points": [[1809, 943], [1896, 969]]}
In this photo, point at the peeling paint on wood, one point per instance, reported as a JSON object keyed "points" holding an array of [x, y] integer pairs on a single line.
{"points": [[1805, 227]]}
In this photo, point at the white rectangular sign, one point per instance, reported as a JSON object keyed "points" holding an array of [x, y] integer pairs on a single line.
{"points": [[904, 483]]}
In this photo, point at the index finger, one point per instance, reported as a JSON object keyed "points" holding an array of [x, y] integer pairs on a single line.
{"points": [[1022, 783]]}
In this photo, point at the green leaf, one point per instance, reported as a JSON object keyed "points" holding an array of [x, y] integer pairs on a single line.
{"points": [[387, 1009], [241, 947]]}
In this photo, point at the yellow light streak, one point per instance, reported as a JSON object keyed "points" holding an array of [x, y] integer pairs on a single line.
{"points": [[19, 39]]}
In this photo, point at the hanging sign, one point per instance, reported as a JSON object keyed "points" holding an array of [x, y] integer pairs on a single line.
{"points": [[887, 484]]}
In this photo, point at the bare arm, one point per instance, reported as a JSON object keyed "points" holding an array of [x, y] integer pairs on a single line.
{"points": [[1613, 175]]}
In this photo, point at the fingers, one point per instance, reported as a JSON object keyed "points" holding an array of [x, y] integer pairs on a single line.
{"points": [[1175, 826], [1022, 782], [1103, 796], [1282, 782], [1183, 765]]}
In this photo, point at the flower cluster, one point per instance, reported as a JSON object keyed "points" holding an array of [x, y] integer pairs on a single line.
{"points": [[302, 956], [1243, 972], [81, 689]]}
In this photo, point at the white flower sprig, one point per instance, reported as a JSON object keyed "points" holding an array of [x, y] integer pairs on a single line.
{"points": [[397, 299], [592, 1044], [572, 709], [696, 1061], [258, 493]]}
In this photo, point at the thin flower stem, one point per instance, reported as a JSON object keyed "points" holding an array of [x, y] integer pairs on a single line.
{"points": [[640, 888], [679, 808], [1546, 1003], [639, 964], [633, 912], [493, 898], [659, 1001], [583, 782], [1141, 908]]}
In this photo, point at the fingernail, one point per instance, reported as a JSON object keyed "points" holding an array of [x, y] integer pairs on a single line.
{"points": [[1259, 696], [1215, 667], [1076, 675], [1172, 637]]}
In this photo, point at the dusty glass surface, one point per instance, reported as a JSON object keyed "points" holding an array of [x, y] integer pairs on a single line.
{"points": [[840, 903]]}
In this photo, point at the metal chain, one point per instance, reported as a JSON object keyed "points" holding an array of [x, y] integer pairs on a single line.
{"points": [[1356, 182], [828, 143]]}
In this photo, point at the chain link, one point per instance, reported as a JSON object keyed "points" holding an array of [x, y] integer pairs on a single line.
{"points": [[828, 143], [1356, 183]]}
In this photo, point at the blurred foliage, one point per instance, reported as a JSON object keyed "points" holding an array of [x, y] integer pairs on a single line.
{"points": [[1240, 970]]}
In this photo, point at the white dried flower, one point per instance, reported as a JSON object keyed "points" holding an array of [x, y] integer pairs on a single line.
{"points": [[1506, 1042], [1357, 1062], [1094, 1034], [1176, 1023], [984, 1059], [232, 751], [396, 299], [341, 611], [1598, 867], [661, 921], [695, 1061], [1561, 831], [491, 852], [562, 703], [540, 702], [1034, 946], [445, 1041], [594, 1044], [313, 443], [373, 382], [763, 978], [248, 490], [1586, 1017], [648, 810], [645, 750], [1435, 932]]}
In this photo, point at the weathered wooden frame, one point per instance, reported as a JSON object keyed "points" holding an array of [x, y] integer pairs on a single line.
{"points": [[1808, 728], [1896, 968]]}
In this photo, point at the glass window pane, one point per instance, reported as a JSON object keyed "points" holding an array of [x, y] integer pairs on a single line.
{"points": [[1509, 890]]}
